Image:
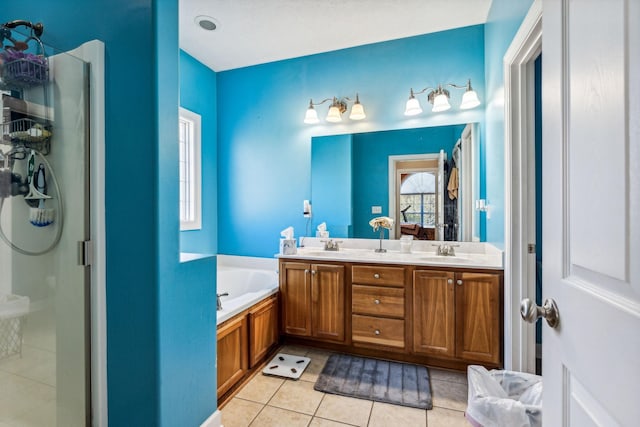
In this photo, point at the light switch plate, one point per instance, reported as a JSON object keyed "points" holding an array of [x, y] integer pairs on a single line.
{"points": [[376, 209]]}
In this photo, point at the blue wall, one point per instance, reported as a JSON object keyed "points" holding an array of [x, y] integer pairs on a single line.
{"points": [[146, 357], [264, 146], [198, 94], [505, 17]]}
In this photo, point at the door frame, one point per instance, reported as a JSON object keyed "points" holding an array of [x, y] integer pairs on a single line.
{"points": [[519, 272], [93, 52], [394, 194]]}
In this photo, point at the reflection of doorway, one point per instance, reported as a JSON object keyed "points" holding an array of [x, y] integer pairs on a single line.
{"points": [[423, 184]]}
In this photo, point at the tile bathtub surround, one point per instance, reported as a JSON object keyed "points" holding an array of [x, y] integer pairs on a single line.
{"points": [[269, 401]]}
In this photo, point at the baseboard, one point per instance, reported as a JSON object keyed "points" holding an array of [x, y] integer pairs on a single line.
{"points": [[215, 420]]}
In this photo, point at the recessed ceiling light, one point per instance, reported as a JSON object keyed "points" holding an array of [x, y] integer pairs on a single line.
{"points": [[206, 22]]}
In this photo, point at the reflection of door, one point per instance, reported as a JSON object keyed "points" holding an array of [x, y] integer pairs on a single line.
{"points": [[591, 219]]}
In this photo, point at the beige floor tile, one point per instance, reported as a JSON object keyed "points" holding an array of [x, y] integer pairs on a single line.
{"points": [[297, 396], [321, 422], [449, 395], [345, 409], [446, 375], [384, 415], [240, 412], [276, 417], [318, 360], [441, 417], [260, 389], [297, 350]]}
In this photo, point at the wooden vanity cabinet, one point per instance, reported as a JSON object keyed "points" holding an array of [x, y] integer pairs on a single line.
{"points": [[478, 314], [263, 330], [448, 317], [457, 315], [434, 313], [232, 353], [313, 300], [378, 307]]}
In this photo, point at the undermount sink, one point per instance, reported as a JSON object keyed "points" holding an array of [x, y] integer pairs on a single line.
{"points": [[446, 259]]}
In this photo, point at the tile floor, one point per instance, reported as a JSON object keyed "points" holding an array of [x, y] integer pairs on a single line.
{"points": [[28, 383], [271, 401]]}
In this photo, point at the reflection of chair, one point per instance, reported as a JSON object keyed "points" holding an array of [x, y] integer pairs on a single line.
{"points": [[418, 232]]}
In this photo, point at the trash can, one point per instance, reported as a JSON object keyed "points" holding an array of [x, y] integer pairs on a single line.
{"points": [[503, 398]]}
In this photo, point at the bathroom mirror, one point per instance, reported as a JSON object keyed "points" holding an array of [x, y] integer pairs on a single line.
{"points": [[405, 174]]}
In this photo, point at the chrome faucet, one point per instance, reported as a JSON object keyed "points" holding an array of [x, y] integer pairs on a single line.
{"points": [[226, 294], [331, 245], [446, 249]]}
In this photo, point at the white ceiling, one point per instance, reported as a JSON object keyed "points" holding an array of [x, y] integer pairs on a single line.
{"points": [[253, 32]]}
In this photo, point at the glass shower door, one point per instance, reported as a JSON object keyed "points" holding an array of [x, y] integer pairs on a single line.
{"points": [[44, 286]]}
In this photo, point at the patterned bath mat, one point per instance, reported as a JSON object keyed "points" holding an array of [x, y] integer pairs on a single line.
{"points": [[378, 380]]}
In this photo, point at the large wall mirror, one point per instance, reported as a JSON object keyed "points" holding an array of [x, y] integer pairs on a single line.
{"points": [[427, 179]]}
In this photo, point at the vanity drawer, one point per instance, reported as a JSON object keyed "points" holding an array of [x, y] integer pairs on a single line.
{"points": [[377, 300], [374, 275], [377, 330]]}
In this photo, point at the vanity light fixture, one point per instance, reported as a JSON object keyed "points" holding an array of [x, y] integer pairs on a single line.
{"points": [[439, 98], [337, 108]]}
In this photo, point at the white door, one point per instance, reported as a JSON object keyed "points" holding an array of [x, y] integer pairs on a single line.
{"points": [[591, 211]]}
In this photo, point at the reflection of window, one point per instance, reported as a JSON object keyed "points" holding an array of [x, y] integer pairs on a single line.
{"points": [[190, 177], [418, 198]]}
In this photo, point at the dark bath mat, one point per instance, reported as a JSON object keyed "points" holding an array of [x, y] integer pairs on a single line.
{"points": [[378, 380]]}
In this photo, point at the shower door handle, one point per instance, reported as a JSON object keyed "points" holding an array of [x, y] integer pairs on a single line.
{"points": [[85, 253]]}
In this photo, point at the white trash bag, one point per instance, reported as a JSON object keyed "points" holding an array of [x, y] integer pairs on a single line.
{"points": [[503, 398]]}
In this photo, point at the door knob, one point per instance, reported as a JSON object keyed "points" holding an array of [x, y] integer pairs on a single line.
{"points": [[531, 312]]}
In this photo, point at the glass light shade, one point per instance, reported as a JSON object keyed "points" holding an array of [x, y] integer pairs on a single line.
{"points": [[441, 103], [469, 100], [413, 107], [357, 112], [333, 115], [311, 117]]}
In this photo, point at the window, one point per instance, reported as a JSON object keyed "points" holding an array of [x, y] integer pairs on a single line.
{"points": [[418, 198], [190, 174]]}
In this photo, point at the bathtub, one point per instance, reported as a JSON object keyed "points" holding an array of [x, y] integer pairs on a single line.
{"points": [[245, 286]]}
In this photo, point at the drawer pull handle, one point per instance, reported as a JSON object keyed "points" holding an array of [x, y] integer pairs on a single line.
{"points": [[376, 276], [459, 282], [450, 281], [377, 332], [376, 301]]}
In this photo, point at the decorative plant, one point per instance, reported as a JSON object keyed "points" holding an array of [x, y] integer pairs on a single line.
{"points": [[380, 223]]}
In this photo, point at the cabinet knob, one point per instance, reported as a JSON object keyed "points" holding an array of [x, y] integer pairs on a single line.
{"points": [[376, 301], [376, 276], [459, 282], [377, 332], [313, 272], [450, 281], [306, 271]]}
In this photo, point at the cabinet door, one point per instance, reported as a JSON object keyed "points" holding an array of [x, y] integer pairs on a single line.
{"points": [[327, 301], [296, 298], [232, 353], [433, 313], [478, 315], [263, 328]]}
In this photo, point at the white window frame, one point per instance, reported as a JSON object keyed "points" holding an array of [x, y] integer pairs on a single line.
{"points": [[194, 171]]}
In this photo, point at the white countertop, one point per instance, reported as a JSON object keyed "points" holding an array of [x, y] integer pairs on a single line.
{"points": [[468, 255]]}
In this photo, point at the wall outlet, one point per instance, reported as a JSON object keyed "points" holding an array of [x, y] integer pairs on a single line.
{"points": [[306, 209], [376, 209]]}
